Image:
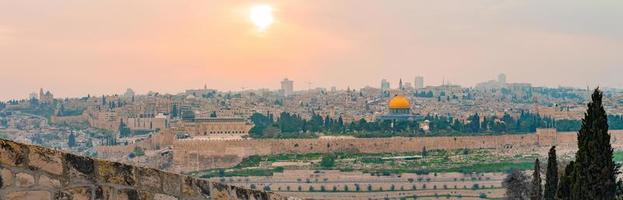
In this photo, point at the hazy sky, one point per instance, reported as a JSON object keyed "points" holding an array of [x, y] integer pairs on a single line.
{"points": [[76, 47]]}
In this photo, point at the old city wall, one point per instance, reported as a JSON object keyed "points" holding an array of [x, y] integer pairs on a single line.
{"points": [[33, 172], [69, 119], [226, 153], [361, 145]]}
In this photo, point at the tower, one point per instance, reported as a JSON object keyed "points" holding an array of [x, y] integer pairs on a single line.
{"points": [[384, 85], [502, 78], [287, 87], [419, 82]]}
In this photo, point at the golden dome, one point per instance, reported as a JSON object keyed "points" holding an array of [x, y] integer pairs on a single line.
{"points": [[399, 102]]}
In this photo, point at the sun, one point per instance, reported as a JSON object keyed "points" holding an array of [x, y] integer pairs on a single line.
{"points": [[261, 16]]}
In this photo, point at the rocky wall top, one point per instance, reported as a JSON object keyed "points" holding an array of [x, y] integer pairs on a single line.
{"points": [[33, 172]]}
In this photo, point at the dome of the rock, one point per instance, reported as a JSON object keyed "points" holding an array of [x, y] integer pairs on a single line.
{"points": [[399, 102]]}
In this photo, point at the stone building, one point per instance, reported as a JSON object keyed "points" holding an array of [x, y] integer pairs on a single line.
{"points": [[148, 122], [45, 97], [215, 126]]}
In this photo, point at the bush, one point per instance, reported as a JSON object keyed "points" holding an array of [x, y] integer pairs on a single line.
{"points": [[328, 161]]}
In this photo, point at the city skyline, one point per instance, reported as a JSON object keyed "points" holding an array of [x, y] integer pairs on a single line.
{"points": [[295, 86], [77, 48]]}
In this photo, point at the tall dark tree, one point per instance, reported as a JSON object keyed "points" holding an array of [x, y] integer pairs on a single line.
{"points": [[595, 171], [124, 131], [536, 192], [566, 183], [517, 186], [551, 176], [71, 140], [173, 110]]}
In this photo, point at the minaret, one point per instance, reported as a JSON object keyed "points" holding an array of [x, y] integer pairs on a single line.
{"points": [[400, 84]]}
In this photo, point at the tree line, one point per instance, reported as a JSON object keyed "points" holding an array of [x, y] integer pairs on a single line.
{"points": [[592, 175], [288, 125]]}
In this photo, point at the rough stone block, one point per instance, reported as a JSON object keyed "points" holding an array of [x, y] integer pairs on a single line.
{"points": [[164, 197], [192, 187], [104, 193], [12, 154], [24, 180], [30, 195], [79, 167], [77, 193], [222, 191], [46, 159], [171, 183], [219, 191], [149, 179], [132, 194], [46, 181], [115, 173], [145, 195], [6, 178]]}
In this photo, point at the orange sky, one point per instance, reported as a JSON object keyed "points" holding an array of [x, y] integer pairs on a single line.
{"points": [[76, 48]]}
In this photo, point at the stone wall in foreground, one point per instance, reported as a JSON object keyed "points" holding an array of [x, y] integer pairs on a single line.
{"points": [[37, 173]]}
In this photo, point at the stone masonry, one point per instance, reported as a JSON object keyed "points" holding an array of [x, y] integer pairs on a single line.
{"points": [[36, 173]]}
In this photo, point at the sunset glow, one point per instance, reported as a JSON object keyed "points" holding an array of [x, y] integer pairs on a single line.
{"points": [[261, 16]]}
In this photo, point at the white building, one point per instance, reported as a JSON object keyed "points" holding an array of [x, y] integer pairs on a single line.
{"points": [[287, 87], [419, 82], [384, 85], [502, 78]]}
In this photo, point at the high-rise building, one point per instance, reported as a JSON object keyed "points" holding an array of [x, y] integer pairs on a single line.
{"points": [[287, 87], [384, 85], [502, 78], [419, 82]]}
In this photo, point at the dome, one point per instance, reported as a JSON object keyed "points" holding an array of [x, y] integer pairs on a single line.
{"points": [[399, 102]]}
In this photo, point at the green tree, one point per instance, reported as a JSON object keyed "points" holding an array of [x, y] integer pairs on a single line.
{"points": [[536, 192], [173, 110], [564, 187], [595, 171], [71, 140], [124, 131], [517, 186], [551, 176], [328, 161]]}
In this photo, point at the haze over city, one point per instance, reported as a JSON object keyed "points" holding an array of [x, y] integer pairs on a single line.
{"points": [[103, 47], [316, 99]]}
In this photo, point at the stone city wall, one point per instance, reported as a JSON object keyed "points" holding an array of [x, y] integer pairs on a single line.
{"points": [[37, 173], [69, 119], [218, 153]]}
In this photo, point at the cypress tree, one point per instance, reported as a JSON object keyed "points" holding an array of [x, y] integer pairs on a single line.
{"points": [[594, 168], [566, 181], [536, 192], [551, 176], [71, 140]]}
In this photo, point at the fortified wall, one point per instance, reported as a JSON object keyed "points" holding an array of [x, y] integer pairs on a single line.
{"points": [[225, 153], [36, 173]]}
